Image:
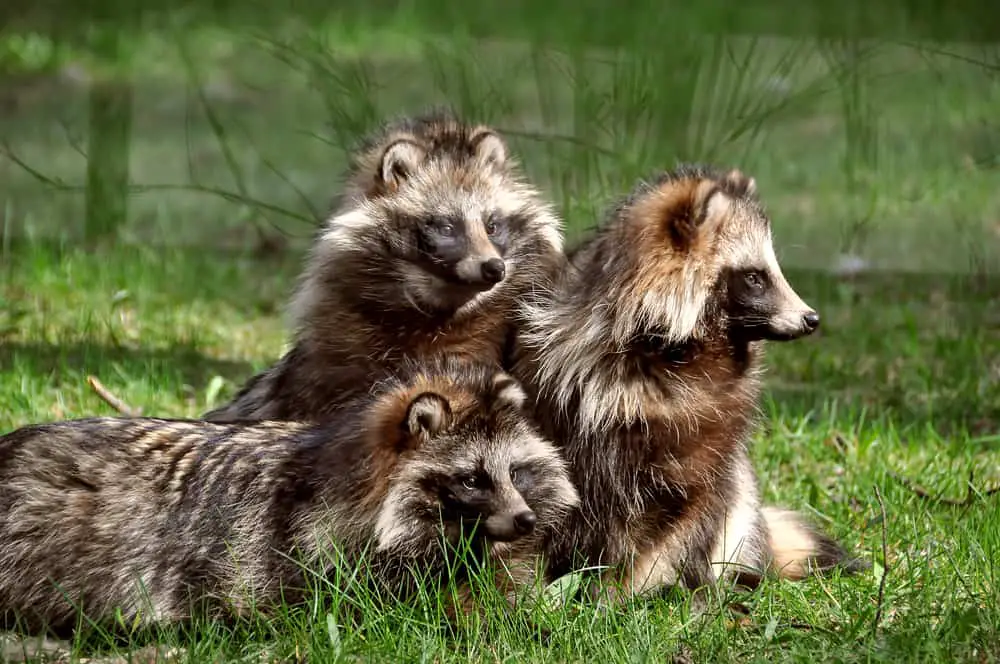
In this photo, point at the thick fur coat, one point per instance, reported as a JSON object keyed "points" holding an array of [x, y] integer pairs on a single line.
{"points": [[645, 361], [437, 238], [161, 517]]}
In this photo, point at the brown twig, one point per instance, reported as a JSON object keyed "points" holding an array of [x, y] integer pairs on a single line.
{"points": [[970, 495], [112, 400], [880, 598]]}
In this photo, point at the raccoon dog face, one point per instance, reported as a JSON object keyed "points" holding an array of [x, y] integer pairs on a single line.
{"points": [[462, 242], [445, 217], [710, 240], [473, 461], [759, 300]]}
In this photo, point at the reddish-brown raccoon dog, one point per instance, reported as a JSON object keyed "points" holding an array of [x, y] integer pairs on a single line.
{"points": [[436, 238], [645, 361]]}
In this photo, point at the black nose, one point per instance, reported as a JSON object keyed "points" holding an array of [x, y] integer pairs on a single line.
{"points": [[811, 320], [493, 270], [525, 522]]}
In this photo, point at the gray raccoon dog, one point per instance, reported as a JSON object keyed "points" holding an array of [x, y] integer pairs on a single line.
{"points": [[436, 238], [168, 519], [645, 361]]}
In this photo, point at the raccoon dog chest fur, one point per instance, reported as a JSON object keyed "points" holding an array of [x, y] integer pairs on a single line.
{"points": [[644, 360], [156, 516], [436, 238]]}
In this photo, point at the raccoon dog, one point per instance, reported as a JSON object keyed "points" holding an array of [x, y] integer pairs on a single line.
{"points": [[437, 237], [155, 516], [645, 361]]}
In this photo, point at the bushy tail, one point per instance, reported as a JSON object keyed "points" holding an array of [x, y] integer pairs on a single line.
{"points": [[799, 548]]}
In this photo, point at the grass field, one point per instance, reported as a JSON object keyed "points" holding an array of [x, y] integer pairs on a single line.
{"points": [[903, 379]]}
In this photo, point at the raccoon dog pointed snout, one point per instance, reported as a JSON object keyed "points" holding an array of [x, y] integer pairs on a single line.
{"points": [[524, 522], [482, 273], [511, 526], [493, 270]]}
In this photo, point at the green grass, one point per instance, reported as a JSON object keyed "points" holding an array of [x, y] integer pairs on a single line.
{"points": [[898, 165]]}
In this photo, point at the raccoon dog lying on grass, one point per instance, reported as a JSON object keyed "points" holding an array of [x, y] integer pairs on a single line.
{"points": [[153, 515], [645, 361], [436, 239]]}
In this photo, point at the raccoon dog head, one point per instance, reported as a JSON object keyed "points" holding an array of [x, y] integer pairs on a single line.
{"points": [[459, 236], [700, 250], [444, 216], [469, 458]]}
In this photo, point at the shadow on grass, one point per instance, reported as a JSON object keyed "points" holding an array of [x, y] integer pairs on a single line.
{"points": [[72, 362]]}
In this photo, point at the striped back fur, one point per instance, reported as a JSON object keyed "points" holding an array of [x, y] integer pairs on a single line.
{"points": [[155, 516]]}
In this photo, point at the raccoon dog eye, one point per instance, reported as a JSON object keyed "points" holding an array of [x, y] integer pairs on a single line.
{"points": [[754, 280], [493, 223], [513, 475], [470, 483], [446, 230]]}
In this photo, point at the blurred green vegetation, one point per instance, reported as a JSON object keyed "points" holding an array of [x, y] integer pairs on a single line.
{"points": [[557, 22], [884, 149]]}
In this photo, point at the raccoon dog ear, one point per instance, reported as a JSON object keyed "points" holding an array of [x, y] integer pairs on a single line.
{"points": [[427, 414], [490, 148], [509, 391], [740, 184], [689, 207], [708, 204], [399, 161]]}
